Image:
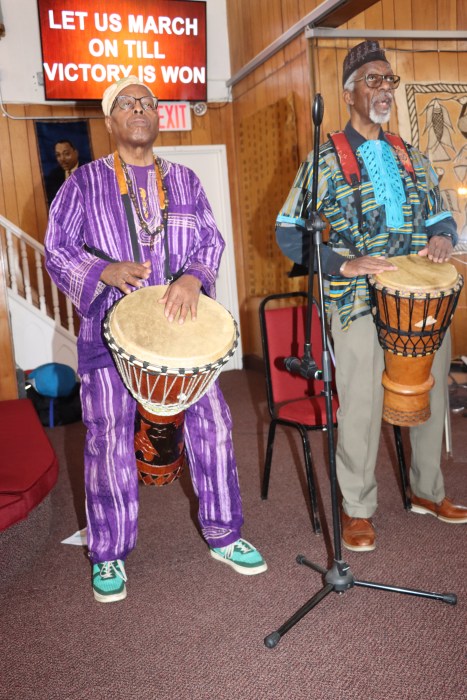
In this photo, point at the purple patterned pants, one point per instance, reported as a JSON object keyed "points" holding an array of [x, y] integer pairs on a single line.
{"points": [[111, 478]]}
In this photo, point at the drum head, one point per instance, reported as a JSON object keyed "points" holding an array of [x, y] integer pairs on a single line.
{"points": [[138, 326], [415, 273]]}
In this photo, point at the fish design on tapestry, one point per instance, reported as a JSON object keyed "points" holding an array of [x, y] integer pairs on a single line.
{"points": [[438, 126]]}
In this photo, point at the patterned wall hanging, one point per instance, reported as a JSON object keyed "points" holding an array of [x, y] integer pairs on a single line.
{"points": [[433, 117]]}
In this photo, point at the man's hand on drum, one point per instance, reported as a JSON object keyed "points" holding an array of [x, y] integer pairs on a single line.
{"points": [[126, 275], [438, 250], [182, 297], [365, 265]]}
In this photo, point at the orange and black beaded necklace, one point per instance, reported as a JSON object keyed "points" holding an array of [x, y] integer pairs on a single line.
{"points": [[129, 197], [126, 188]]}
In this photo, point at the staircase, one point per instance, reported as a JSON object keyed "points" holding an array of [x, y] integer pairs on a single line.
{"points": [[42, 319]]}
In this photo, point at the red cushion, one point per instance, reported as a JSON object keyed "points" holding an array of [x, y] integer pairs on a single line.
{"points": [[12, 509], [28, 464]]}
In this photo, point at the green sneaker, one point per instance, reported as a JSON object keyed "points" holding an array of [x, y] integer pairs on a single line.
{"points": [[241, 556], [108, 581]]}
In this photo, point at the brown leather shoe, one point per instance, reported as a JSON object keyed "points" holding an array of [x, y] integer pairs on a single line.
{"points": [[447, 511], [358, 534]]}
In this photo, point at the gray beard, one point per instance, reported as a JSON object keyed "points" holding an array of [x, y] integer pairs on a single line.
{"points": [[381, 117]]}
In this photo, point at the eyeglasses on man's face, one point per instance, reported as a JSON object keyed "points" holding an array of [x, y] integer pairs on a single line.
{"points": [[128, 102], [375, 80]]}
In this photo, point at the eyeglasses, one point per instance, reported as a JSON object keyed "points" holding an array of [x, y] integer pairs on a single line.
{"points": [[128, 102], [375, 80]]}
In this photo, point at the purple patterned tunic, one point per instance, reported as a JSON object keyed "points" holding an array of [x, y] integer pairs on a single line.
{"points": [[88, 213]]}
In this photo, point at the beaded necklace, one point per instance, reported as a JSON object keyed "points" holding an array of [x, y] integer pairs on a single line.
{"points": [[126, 187]]}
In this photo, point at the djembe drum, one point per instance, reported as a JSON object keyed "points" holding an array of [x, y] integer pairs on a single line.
{"points": [[412, 308], [167, 367]]}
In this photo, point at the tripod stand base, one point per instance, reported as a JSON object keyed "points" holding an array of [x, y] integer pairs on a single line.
{"points": [[339, 578]]}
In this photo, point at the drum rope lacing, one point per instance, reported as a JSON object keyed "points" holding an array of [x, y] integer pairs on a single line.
{"points": [[189, 387], [421, 337], [189, 383]]}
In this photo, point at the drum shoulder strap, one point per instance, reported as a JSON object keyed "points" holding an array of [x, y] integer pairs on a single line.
{"points": [[400, 148], [348, 162], [345, 158]]}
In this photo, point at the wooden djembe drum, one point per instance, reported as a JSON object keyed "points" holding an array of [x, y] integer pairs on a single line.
{"points": [[412, 307], [167, 367]]}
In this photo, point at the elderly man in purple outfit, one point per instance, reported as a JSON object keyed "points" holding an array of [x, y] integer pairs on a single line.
{"points": [[91, 257]]}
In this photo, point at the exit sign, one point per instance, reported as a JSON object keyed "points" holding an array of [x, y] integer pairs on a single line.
{"points": [[174, 116]]}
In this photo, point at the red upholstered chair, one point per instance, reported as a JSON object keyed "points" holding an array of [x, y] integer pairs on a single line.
{"points": [[28, 463], [293, 400]]}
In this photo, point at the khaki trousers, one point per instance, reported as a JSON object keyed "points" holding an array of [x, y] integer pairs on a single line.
{"points": [[359, 367]]}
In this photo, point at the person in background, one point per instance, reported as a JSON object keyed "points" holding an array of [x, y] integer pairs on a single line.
{"points": [[389, 213], [89, 256], [68, 161]]}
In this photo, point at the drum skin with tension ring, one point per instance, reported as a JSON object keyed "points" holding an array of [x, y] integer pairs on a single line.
{"points": [[167, 367], [412, 308]]}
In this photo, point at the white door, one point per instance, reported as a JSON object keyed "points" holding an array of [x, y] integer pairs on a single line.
{"points": [[210, 165]]}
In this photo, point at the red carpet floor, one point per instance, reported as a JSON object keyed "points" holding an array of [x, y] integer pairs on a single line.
{"points": [[192, 629]]}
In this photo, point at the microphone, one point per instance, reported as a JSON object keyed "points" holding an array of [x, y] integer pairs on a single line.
{"points": [[293, 364], [306, 366]]}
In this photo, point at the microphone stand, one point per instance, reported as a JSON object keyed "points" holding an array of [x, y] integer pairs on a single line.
{"points": [[339, 578]]}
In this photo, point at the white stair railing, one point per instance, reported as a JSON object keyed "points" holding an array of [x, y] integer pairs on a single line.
{"points": [[21, 248], [30, 288]]}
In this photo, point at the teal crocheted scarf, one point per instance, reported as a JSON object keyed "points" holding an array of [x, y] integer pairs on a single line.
{"points": [[387, 184]]}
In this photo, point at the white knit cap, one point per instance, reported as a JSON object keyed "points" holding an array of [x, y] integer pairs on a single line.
{"points": [[112, 91]]}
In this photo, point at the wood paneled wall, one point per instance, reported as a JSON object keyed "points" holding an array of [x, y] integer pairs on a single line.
{"points": [[304, 68]]}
